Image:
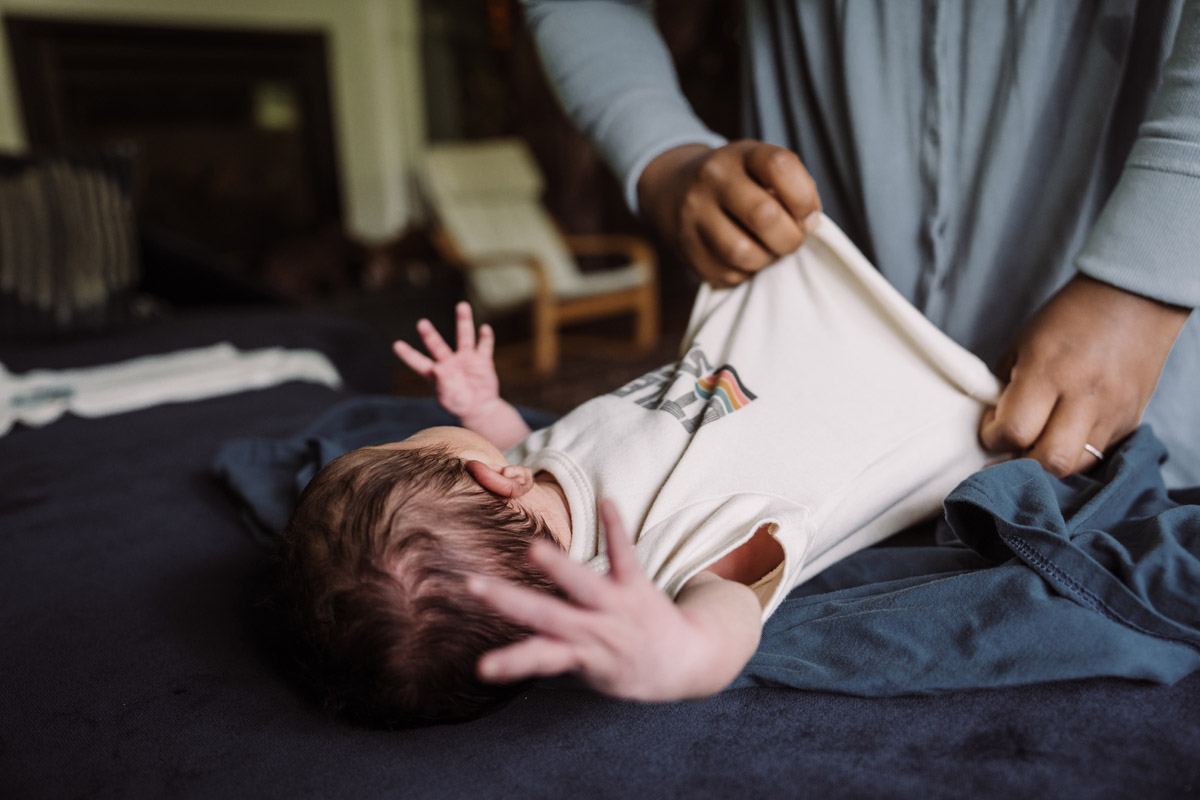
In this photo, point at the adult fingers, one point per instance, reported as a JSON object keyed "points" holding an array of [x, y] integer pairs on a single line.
{"points": [[782, 172], [704, 225], [535, 657], [733, 248], [536, 610], [464, 327], [763, 215], [709, 265], [1060, 448], [417, 361], [1020, 415], [1094, 448], [433, 340]]}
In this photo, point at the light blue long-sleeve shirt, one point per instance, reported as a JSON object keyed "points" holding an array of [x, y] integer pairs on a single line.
{"points": [[979, 153]]}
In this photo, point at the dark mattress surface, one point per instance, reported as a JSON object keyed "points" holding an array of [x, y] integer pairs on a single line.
{"points": [[130, 664]]}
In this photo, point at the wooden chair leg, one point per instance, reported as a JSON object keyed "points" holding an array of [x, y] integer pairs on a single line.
{"points": [[545, 340]]}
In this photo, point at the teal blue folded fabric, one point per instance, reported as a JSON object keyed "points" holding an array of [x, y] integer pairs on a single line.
{"points": [[1047, 580]]}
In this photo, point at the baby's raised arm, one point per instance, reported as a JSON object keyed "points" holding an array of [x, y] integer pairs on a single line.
{"points": [[465, 378], [618, 632]]}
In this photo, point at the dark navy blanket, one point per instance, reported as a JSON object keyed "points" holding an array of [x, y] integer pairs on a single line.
{"points": [[1036, 579]]}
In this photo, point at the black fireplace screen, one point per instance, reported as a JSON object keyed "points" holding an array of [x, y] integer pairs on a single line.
{"points": [[232, 127]]}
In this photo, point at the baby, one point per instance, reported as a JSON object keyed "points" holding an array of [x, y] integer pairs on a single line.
{"points": [[813, 413]]}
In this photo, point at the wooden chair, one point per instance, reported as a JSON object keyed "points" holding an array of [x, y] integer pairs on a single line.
{"points": [[490, 221]]}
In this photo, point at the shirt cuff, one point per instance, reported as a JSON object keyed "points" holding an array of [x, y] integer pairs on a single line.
{"points": [[632, 162], [1147, 239]]}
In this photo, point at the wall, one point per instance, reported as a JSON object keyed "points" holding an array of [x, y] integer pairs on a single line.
{"points": [[376, 89]]}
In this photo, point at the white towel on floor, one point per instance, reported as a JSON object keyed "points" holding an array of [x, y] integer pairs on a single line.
{"points": [[39, 397]]}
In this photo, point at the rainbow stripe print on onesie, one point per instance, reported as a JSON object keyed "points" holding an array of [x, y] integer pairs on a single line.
{"points": [[725, 386]]}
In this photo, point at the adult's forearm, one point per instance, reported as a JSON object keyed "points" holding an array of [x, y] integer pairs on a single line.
{"points": [[614, 77], [1147, 238]]}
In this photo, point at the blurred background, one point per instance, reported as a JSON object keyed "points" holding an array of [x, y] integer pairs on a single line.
{"points": [[275, 150]]}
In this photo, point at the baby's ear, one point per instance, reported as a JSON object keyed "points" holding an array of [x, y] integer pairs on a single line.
{"points": [[508, 482]]}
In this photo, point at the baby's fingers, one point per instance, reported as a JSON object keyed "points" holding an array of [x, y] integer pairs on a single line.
{"points": [[417, 361], [622, 562], [433, 340], [536, 610], [535, 657], [580, 582], [465, 327], [487, 341]]}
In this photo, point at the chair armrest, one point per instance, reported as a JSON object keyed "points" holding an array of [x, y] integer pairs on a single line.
{"points": [[635, 248]]}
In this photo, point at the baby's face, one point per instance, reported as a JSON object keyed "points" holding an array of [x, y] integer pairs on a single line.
{"points": [[467, 445]]}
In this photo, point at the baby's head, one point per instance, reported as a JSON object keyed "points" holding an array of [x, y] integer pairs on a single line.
{"points": [[372, 581]]}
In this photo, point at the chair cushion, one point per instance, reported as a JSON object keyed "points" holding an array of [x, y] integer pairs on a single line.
{"points": [[492, 167], [487, 196], [484, 229]]}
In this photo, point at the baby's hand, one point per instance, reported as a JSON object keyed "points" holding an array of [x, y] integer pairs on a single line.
{"points": [[618, 632], [465, 378]]}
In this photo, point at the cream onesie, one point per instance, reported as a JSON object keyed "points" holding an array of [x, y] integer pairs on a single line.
{"points": [[812, 399]]}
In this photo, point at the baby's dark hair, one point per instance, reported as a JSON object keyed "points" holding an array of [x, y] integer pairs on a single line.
{"points": [[371, 584]]}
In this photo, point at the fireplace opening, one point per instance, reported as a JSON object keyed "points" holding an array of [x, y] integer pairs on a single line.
{"points": [[232, 128]]}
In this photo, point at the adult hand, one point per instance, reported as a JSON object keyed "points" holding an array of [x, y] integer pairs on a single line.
{"points": [[732, 210], [1081, 371], [618, 632], [464, 378]]}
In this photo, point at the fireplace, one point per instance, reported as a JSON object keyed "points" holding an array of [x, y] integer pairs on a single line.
{"points": [[232, 127]]}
